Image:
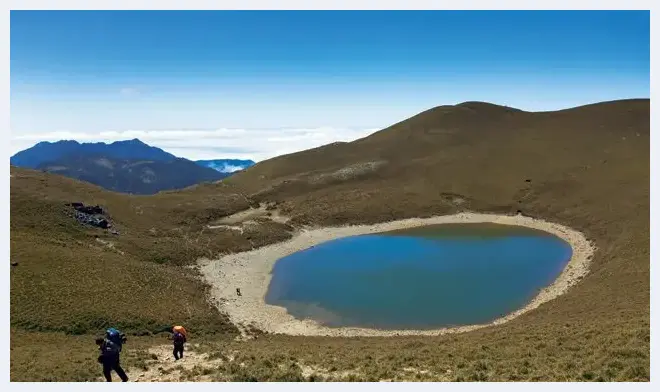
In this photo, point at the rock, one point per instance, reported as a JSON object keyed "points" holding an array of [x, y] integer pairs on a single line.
{"points": [[92, 210], [90, 215], [101, 222]]}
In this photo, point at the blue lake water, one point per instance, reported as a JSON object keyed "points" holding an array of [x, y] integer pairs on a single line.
{"points": [[423, 278]]}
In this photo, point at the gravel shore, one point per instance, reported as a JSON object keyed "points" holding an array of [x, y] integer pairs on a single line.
{"points": [[250, 271]]}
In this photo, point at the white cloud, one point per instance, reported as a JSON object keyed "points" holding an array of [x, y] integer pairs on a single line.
{"points": [[256, 144], [231, 168], [129, 91], [226, 168]]}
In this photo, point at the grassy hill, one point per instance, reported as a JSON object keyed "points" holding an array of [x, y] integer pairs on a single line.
{"points": [[586, 167]]}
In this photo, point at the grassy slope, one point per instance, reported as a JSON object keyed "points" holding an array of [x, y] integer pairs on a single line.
{"points": [[586, 167], [68, 280], [49, 356]]}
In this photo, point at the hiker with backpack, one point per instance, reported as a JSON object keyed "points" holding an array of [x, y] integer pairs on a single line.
{"points": [[110, 347], [179, 339]]}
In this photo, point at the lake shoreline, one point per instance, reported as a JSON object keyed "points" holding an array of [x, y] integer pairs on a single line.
{"points": [[251, 272]]}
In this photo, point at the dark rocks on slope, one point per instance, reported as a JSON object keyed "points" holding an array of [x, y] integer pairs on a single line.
{"points": [[90, 215]]}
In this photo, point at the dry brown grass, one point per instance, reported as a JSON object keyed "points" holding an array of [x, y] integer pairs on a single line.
{"points": [[48, 356], [587, 168]]}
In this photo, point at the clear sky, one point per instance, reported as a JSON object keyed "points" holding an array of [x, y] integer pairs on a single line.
{"points": [[234, 84]]}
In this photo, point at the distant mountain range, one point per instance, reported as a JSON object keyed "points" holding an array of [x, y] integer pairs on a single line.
{"points": [[128, 166], [51, 152]]}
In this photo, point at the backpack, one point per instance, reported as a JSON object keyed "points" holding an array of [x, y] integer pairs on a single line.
{"points": [[113, 336], [180, 329]]}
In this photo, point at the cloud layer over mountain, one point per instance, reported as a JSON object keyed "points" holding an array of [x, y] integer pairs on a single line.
{"points": [[255, 144]]}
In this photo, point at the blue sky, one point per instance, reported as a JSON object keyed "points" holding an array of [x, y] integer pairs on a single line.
{"points": [[216, 84]]}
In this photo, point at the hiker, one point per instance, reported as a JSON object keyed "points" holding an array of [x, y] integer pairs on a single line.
{"points": [[238, 291], [110, 347], [179, 339]]}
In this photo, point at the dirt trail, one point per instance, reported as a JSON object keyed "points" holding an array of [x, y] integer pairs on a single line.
{"points": [[165, 368], [199, 365], [239, 220], [263, 211], [161, 367]]}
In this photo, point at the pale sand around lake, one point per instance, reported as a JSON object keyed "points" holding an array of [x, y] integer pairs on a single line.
{"points": [[251, 272]]}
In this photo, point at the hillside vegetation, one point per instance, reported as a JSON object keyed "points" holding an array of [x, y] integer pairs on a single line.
{"points": [[586, 167], [135, 176]]}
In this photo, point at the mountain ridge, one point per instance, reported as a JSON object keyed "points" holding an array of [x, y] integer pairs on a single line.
{"points": [[123, 149], [127, 166]]}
